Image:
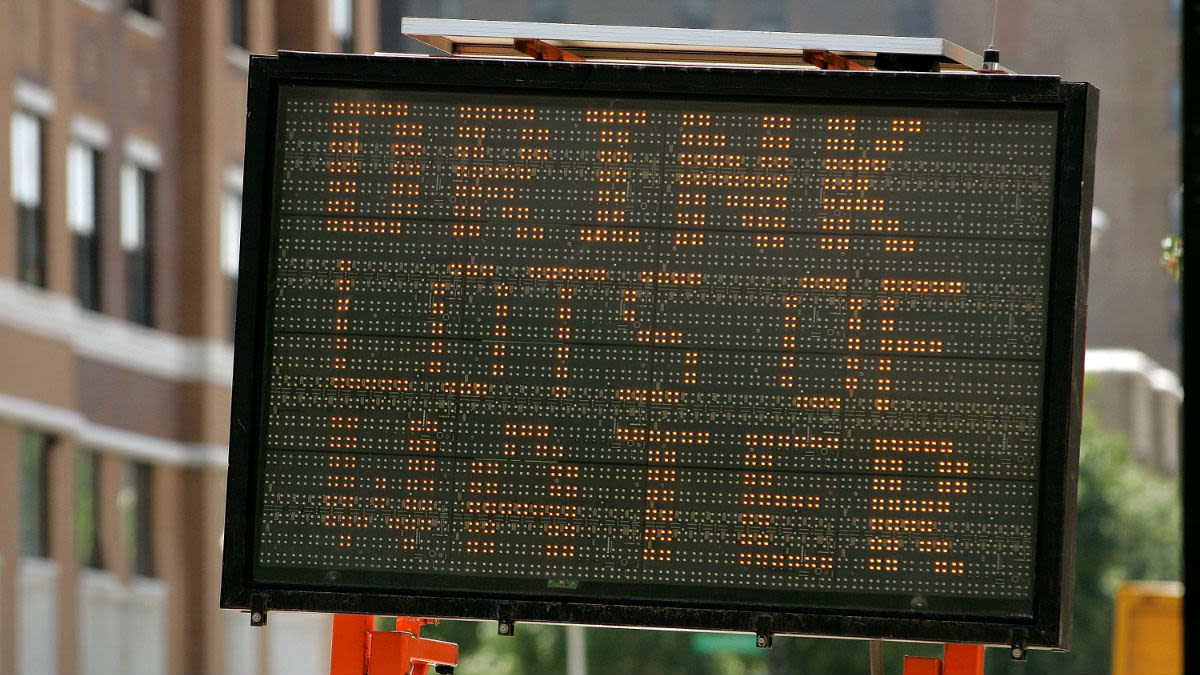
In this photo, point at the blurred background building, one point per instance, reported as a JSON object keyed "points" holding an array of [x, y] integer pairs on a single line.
{"points": [[117, 258], [118, 250]]}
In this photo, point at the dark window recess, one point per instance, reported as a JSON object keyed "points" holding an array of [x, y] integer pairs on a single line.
{"points": [[84, 219], [238, 30], [137, 530], [27, 179], [34, 488], [31, 245], [87, 506], [87, 271], [142, 6], [140, 288], [139, 256]]}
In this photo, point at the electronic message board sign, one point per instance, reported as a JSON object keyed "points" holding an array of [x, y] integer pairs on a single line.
{"points": [[770, 350]]}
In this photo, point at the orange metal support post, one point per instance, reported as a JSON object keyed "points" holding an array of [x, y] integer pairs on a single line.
{"points": [[359, 649], [348, 652], [958, 659], [963, 659]]}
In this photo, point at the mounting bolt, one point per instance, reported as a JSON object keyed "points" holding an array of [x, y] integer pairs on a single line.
{"points": [[258, 610], [505, 625], [762, 631], [1018, 653]]}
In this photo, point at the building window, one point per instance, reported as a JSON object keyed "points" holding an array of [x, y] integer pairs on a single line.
{"points": [[341, 23], [142, 6], [87, 508], [238, 32], [83, 214], [34, 488], [137, 218], [27, 167], [135, 503], [231, 232]]}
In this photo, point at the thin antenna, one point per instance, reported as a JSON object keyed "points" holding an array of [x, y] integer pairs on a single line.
{"points": [[995, 14], [991, 55]]}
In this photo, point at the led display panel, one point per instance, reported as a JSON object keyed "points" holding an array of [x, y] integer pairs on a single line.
{"points": [[660, 346]]}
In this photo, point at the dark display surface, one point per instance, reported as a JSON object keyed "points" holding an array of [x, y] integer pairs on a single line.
{"points": [[572, 340], [604, 348]]}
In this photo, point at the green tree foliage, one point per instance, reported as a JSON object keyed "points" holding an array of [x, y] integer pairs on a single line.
{"points": [[481, 651], [1172, 256], [1129, 527]]}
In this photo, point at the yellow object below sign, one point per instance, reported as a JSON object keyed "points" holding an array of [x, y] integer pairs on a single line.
{"points": [[1148, 628]]}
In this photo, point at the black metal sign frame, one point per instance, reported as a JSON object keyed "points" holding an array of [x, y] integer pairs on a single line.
{"points": [[1075, 105]]}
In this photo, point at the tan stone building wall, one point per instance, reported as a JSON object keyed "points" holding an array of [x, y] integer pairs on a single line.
{"points": [[158, 85]]}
